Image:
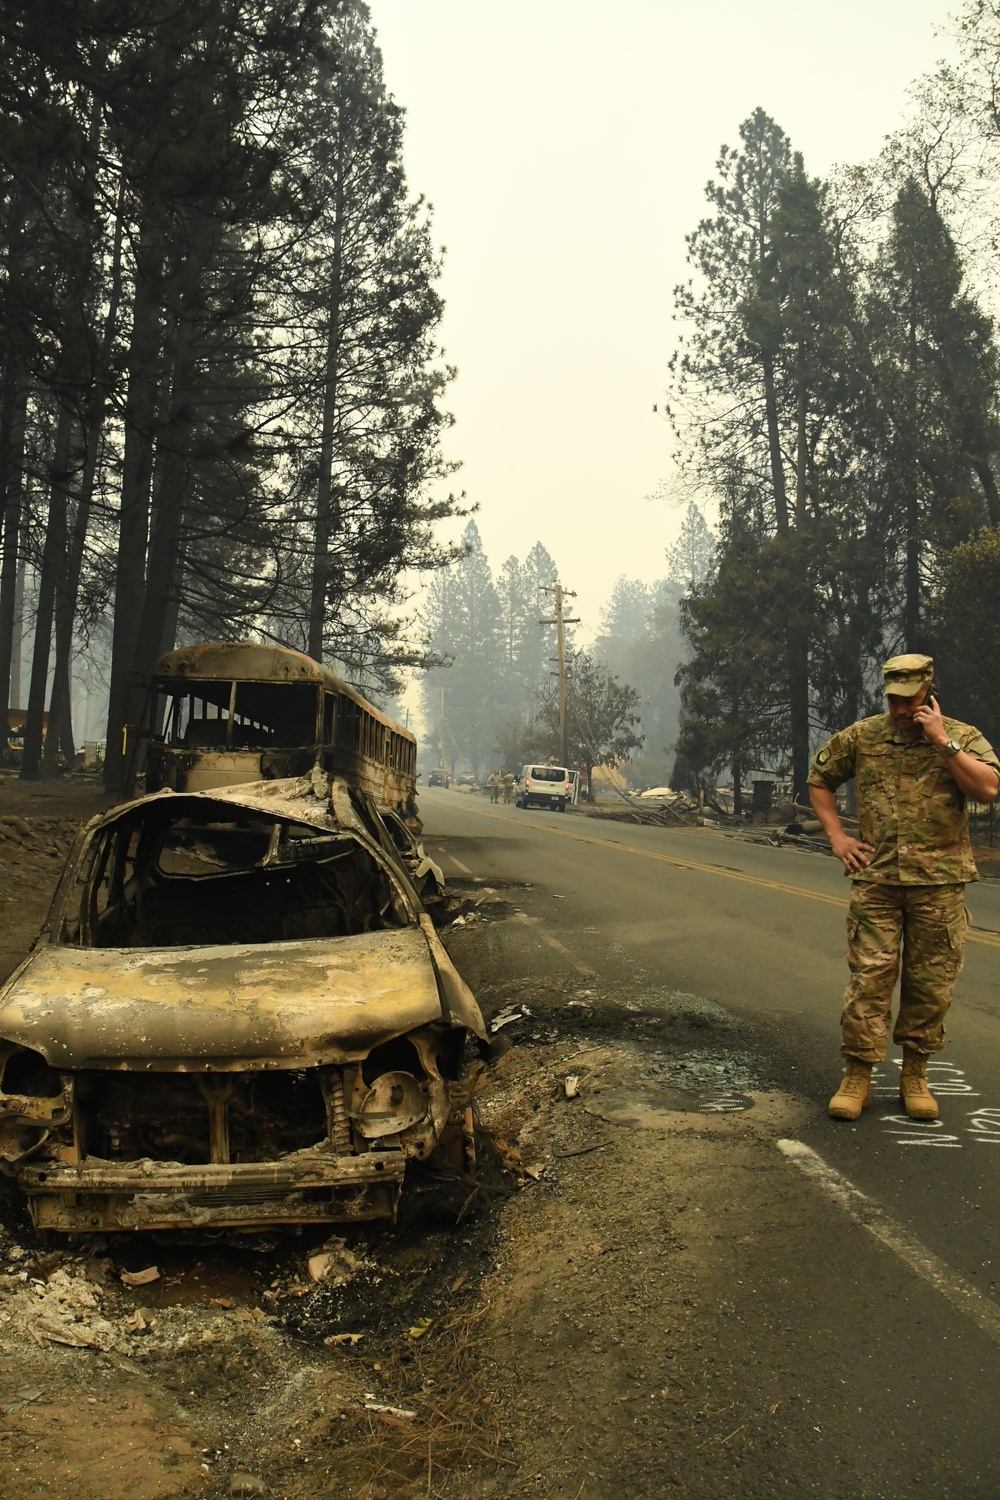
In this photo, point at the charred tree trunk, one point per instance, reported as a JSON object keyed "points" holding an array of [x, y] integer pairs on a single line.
{"points": [[168, 507], [326, 521], [16, 655], [14, 419], [137, 473], [990, 491], [911, 503], [60, 730], [52, 567], [798, 675], [911, 585], [774, 447]]}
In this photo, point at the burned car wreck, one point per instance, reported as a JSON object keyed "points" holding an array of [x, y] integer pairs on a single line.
{"points": [[238, 1015]]}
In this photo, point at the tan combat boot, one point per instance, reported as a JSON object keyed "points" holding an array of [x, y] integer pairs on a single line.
{"points": [[855, 1091], [915, 1097]]}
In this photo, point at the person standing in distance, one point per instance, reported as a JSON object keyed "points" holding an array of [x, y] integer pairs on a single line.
{"points": [[913, 770]]}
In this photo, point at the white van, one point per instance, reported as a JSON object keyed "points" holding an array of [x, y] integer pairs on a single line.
{"points": [[544, 786]]}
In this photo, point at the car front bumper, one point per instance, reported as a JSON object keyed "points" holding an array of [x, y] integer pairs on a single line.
{"points": [[306, 1188]]}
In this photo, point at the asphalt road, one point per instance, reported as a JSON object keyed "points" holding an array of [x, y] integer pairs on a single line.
{"points": [[901, 1262]]}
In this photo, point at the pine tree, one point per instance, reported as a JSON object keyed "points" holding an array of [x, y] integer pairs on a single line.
{"points": [[965, 632], [464, 623], [539, 642], [936, 374], [218, 359], [624, 623], [774, 355], [692, 557], [366, 378], [725, 373], [733, 706], [626, 614]]}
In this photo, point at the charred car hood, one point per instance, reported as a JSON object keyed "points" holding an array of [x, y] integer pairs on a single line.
{"points": [[242, 1006]]}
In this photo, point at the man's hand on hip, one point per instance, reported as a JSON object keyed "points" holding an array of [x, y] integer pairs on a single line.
{"points": [[853, 854]]}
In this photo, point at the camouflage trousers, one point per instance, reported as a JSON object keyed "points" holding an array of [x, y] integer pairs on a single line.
{"points": [[928, 922]]}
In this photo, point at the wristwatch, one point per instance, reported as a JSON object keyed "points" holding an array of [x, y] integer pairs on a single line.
{"points": [[951, 748]]}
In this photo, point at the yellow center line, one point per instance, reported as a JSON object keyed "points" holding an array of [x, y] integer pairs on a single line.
{"points": [[989, 940]]}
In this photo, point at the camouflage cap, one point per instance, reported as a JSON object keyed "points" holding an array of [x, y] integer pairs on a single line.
{"points": [[906, 675]]}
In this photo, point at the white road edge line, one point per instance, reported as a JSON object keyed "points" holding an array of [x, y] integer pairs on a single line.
{"points": [[554, 942], [923, 1262], [456, 861]]}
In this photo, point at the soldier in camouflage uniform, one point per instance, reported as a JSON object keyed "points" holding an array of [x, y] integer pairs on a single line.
{"points": [[913, 771]]}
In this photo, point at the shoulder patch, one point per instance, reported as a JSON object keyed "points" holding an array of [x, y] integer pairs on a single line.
{"points": [[823, 756]]}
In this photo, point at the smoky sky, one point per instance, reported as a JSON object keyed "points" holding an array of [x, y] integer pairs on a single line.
{"points": [[565, 146]]}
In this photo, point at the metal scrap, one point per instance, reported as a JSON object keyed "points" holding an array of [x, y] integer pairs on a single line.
{"points": [[505, 1017]]}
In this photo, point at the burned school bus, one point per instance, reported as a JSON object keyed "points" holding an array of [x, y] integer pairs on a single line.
{"points": [[237, 1016], [225, 714]]}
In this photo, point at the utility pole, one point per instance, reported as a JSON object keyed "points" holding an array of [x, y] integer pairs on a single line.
{"points": [[441, 729], [560, 622]]}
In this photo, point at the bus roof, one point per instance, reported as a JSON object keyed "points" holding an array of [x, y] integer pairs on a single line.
{"points": [[253, 661]]}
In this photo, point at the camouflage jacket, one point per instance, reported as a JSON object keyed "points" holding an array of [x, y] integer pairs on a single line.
{"points": [[910, 807]]}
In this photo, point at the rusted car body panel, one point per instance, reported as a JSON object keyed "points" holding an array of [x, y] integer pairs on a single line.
{"points": [[280, 1005], [148, 1082]]}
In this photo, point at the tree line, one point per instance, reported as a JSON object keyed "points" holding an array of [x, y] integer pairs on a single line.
{"points": [[492, 700], [836, 398], [220, 379]]}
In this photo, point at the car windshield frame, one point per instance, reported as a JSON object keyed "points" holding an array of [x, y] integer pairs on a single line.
{"points": [[130, 844]]}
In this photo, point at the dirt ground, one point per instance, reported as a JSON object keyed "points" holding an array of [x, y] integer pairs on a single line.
{"points": [[569, 1332]]}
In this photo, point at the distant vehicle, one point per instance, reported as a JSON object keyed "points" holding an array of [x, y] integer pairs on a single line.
{"points": [[234, 712], [438, 778], [466, 779], [544, 786]]}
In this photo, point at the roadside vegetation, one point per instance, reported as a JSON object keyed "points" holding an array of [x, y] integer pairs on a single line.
{"points": [[220, 379], [835, 397]]}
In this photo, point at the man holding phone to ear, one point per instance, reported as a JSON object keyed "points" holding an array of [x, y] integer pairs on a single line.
{"points": [[913, 770]]}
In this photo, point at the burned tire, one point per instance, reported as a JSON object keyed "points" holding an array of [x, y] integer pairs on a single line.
{"points": [[462, 1175]]}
